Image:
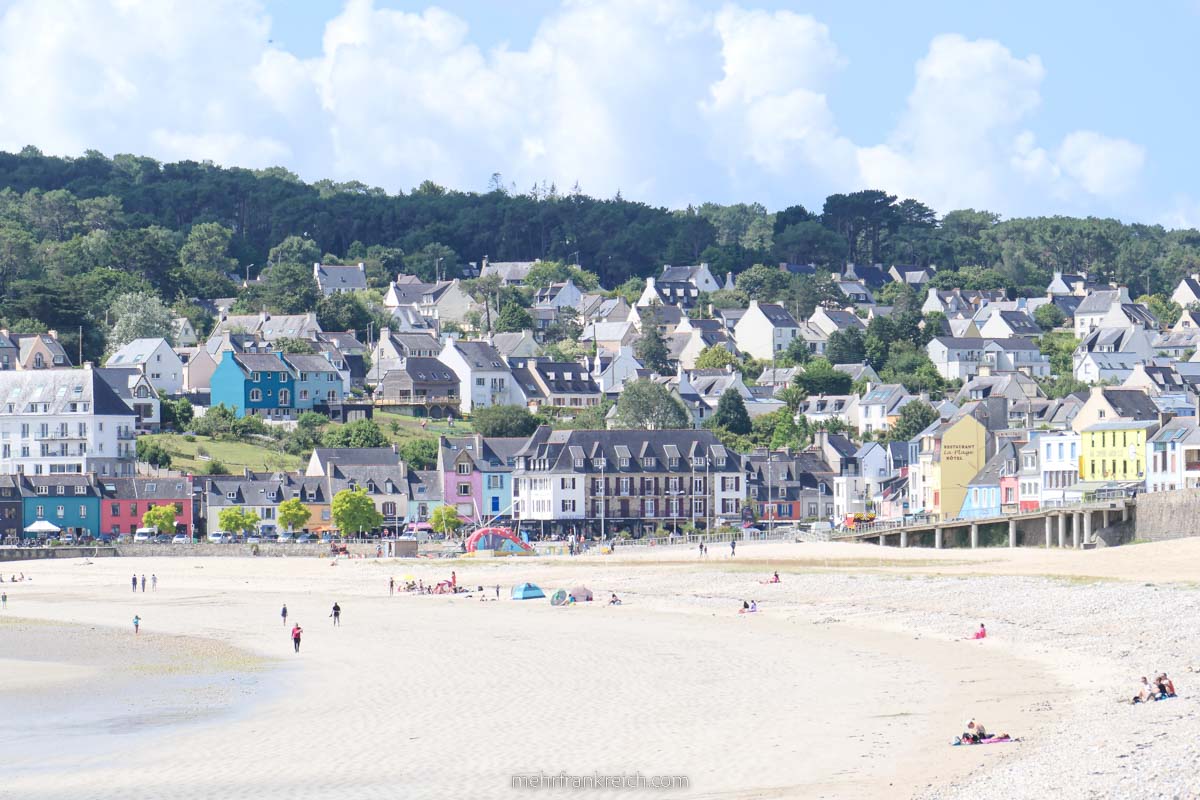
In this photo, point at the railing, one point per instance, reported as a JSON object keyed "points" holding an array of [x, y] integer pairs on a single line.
{"points": [[1102, 498], [689, 539], [415, 401]]}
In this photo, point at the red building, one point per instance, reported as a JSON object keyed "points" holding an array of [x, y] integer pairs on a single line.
{"points": [[125, 500]]}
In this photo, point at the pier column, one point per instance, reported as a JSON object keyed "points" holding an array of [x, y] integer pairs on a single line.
{"points": [[1049, 530], [974, 534], [1125, 512], [1076, 526], [1104, 518], [883, 540], [937, 538], [1087, 526], [904, 538], [1062, 529], [1012, 533]]}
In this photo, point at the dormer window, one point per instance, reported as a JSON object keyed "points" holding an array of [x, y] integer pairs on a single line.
{"points": [[579, 463], [648, 463], [464, 469], [231, 495], [601, 463], [624, 462], [698, 461]]}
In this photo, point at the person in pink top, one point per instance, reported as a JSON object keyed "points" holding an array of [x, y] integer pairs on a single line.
{"points": [[981, 633]]}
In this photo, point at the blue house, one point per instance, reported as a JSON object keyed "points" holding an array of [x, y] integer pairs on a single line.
{"points": [[316, 381], [983, 498], [69, 502], [255, 383]]}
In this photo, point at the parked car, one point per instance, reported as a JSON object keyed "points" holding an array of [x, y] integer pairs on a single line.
{"points": [[66, 538], [163, 538], [306, 538], [254, 538], [181, 538], [220, 537], [285, 538]]}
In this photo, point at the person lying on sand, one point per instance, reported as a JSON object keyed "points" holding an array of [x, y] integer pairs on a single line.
{"points": [[976, 732]]}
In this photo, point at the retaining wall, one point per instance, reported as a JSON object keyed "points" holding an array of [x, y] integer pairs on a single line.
{"points": [[1167, 515]]}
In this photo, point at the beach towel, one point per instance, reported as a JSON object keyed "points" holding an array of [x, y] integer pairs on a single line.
{"points": [[989, 740]]}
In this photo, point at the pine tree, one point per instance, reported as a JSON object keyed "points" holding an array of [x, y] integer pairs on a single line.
{"points": [[731, 414]]}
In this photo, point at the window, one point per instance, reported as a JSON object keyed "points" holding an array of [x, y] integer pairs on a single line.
{"points": [[648, 463], [116, 509], [255, 395], [256, 377], [61, 511], [568, 505], [40, 511], [601, 463], [464, 468], [83, 512], [80, 490], [698, 486], [567, 483], [579, 463], [61, 489], [43, 490], [464, 490], [624, 462], [649, 507], [480, 382], [495, 481]]}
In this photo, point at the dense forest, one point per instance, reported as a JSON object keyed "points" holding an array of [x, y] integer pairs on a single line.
{"points": [[77, 233]]}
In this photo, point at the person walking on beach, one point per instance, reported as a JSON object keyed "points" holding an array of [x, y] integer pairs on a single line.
{"points": [[296, 631], [3, 599], [284, 613], [143, 583], [154, 583], [337, 615], [134, 582], [137, 621], [732, 548], [391, 586], [497, 591]]}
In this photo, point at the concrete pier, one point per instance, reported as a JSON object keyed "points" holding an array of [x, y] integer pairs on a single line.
{"points": [[1087, 526], [1076, 527], [1062, 529], [904, 538], [1012, 533], [1049, 530], [974, 534], [938, 541]]}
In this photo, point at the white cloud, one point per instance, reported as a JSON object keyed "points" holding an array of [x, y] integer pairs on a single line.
{"points": [[656, 98], [1102, 165]]}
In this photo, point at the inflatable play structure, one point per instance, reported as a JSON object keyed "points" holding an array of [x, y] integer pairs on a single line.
{"points": [[500, 540]]}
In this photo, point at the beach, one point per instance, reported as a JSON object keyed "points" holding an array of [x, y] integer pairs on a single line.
{"points": [[851, 680]]}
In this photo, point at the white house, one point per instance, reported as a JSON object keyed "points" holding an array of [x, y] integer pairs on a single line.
{"points": [[559, 295], [678, 286], [1111, 309], [157, 359], [963, 358], [765, 330], [1188, 291], [334, 278], [184, 333], [484, 377], [1173, 457], [1009, 324], [879, 407], [64, 421], [830, 321]]}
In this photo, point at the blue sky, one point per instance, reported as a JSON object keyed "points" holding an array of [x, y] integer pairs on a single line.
{"points": [[1021, 107]]}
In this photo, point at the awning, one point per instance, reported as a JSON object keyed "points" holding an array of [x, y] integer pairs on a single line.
{"points": [[43, 526]]}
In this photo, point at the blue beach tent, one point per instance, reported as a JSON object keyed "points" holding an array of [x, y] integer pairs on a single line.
{"points": [[526, 591]]}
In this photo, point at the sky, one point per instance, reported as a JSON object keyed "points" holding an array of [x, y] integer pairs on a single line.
{"points": [[1018, 107]]}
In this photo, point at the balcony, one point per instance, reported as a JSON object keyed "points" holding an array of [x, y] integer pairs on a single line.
{"points": [[59, 436], [126, 435]]}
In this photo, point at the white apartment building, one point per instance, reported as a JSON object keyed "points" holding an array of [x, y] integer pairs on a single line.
{"points": [[1058, 453], [58, 421]]}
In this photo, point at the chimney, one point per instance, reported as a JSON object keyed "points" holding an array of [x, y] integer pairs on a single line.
{"points": [[53, 334], [1123, 295], [362, 268], [395, 448]]}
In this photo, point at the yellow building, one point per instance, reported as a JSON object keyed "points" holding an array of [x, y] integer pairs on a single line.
{"points": [[950, 457], [1114, 451]]}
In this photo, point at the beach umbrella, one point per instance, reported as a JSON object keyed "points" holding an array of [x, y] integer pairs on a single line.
{"points": [[559, 598]]}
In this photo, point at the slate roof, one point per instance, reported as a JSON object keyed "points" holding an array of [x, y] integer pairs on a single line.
{"points": [[335, 277], [480, 355], [1021, 323], [1131, 403], [555, 447], [136, 352], [58, 388], [778, 316]]}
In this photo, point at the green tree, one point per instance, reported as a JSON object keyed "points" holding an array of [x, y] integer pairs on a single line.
{"points": [[819, 377], [290, 288], [513, 319], [293, 514], [445, 519], [846, 347], [715, 356], [1166, 311], [360, 433], [809, 242], [419, 453], [161, 518], [503, 421], [913, 418], [647, 405], [153, 453], [344, 311], [297, 347], [731, 413], [434, 261], [651, 348], [762, 283], [353, 511], [544, 273], [1049, 317], [237, 520], [140, 316]]}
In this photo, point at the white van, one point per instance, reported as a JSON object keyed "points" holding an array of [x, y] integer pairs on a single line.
{"points": [[145, 534]]}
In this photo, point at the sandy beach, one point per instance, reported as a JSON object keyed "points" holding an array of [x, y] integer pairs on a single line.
{"points": [[851, 681]]}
